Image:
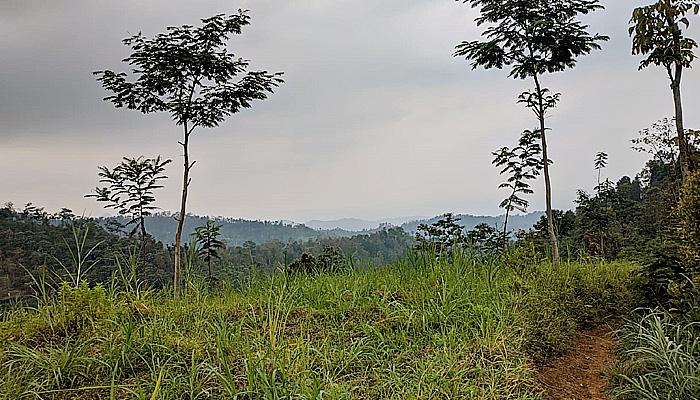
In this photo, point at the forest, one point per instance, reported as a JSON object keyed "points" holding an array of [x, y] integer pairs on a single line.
{"points": [[150, 304]]}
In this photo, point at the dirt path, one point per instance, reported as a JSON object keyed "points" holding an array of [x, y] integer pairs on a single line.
{"points": [[577, 376]]}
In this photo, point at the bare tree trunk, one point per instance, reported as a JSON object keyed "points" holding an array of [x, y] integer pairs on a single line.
{"points": [[181, 217], [683, 149], [209, 271], [505, 230], [143, 250], [547, 183]]}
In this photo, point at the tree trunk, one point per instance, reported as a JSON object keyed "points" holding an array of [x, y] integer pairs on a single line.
{"points": [[505, 230], [143, 249], [683, 150], [181, 217], [547, 183], [209, 271]]}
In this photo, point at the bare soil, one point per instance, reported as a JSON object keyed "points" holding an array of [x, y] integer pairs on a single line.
{"points": [[577, 375]]}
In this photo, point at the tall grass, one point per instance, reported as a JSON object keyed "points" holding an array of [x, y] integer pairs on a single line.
{"points": [[424, 327], [660, 358]]}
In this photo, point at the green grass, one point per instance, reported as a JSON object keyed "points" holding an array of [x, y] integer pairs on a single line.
{"points": [[659, 358], [419, 329]]}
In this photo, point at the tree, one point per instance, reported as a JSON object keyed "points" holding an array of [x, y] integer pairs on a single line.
{"points": [[207, 237], [188, 73], [523, 164], [129, 191], [661, 142], [534, 37], [656, 32], [484, 238], [599, 162], [441, 235]]}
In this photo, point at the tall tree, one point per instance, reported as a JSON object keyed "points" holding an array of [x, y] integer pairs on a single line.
{"points": [[534, 37], [522, 163], [129, 191], [657, 33], [188, 73], [207, 236], [599, 162]]}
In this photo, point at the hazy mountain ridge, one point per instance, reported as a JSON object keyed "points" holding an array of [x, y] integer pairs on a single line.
{"points": [[236, 232], [357, 224], [468, 221]]}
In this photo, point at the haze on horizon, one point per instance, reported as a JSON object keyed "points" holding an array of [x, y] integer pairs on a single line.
{"points": [[376, 118]]}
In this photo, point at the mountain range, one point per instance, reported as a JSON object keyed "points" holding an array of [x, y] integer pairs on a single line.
{"points": [[235, 232]]}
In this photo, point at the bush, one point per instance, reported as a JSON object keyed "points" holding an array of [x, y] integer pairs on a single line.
{"points": [[81, 311], [561, 300], [329, 261]]}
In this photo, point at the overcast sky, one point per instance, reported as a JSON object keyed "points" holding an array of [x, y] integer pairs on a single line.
{"points": [[376, 118]]}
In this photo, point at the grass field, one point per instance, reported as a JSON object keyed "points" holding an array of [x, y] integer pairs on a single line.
{"points": [[423, 328]]}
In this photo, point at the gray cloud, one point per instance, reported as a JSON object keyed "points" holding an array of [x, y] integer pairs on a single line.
{"points": [[376, 118]]}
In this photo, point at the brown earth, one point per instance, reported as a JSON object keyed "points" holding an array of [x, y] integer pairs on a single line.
{"points": [[577, 375]]}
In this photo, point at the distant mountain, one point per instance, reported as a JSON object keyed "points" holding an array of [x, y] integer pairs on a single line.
{"points": [[355, 224], [235, 232], [515, 222]]}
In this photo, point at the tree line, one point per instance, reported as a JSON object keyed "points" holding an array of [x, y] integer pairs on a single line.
{"points": [[34, 243]]}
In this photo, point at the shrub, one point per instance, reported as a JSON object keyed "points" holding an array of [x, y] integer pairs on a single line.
{"points": [[304, 265], [329, 261], [561, 300], [81, 310]]}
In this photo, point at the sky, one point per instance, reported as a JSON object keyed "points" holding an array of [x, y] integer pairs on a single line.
{"points": [[376, 118]]}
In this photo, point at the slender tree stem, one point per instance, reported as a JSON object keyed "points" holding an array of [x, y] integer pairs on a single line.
{"points": [[684, 151], [143, 248], [505, 227], [181, 217], [545, 165], [675, 77]]}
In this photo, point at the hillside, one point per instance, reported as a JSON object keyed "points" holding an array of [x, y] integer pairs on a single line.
{"points": [[515, 222], [236, 232]]}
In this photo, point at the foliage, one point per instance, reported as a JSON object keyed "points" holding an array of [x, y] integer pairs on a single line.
{"points": [[600, 162], [129, 190], [685, 289], [656, 32], [304, 265], [206, 237], [81, 310], [130, 186], [440, 236], [522, 164], [563, 300], [533, 38], [484, 239], [64, 249], [188, 73], [445, 237], [79, 254], [330, 261]]}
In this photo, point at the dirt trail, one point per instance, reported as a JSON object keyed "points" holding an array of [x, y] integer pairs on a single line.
{"points": [[577, 376]]}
